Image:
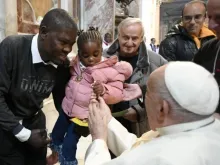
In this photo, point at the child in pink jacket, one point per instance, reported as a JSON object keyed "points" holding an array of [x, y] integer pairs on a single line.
{"points": [[91, 73]]}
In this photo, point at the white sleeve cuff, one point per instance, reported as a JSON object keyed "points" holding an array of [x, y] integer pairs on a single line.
{"points": [[97, 153], [23, 135]]}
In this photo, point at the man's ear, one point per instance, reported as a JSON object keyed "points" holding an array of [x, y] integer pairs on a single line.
{"points": [[43, 32], [164, 112]]}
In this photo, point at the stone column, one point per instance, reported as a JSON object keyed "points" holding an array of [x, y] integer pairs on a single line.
{"points": [[99, 14], [11, 25], [150, 16], [157, 23], [2, 20], [147, 17]]}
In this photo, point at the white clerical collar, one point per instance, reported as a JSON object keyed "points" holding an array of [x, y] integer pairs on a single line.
{"points": [[185, 126], [36, 58]]}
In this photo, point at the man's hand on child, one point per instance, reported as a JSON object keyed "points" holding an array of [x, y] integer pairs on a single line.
{"points": [[98, 88], [38, 138]]}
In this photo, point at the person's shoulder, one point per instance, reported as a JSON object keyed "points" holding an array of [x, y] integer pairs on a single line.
{"points": [[155, 58], [163, 149], [210, 46], [172, 39], [17, 41], [17, 38], [10, 40], [16, 45], [207, 51], [213, 43]]}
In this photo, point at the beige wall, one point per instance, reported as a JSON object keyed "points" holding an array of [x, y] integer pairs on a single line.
{"points": [[150, 15], [157, 23], [99, 14]]}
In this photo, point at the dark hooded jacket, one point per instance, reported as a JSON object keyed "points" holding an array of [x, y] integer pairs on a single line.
{"points": [[180, 46], [147, 62], [209, 57]]}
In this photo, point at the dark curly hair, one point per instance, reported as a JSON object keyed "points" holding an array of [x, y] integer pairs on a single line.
{"points": [[58, 19], [92, 34]]}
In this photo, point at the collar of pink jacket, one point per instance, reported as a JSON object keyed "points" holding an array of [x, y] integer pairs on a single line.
{"points": [[107, 62]]}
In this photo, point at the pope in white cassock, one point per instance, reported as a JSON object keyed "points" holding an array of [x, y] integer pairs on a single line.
{"points": [[180, 101]]}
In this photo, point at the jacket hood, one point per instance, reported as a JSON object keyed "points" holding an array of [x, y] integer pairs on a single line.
{"points": [[143, 58], [103, 64], [179, 29]]}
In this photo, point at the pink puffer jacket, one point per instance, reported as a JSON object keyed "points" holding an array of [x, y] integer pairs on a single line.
{"points": [[78, 90]]}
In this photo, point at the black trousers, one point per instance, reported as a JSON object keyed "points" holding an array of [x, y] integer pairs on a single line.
{"points": [[14, 152]]}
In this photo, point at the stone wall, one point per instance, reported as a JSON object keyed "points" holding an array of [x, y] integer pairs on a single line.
{"points": [[133, 8], [99, 13]]}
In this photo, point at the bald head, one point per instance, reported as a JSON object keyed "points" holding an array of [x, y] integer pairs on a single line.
{"points": [[155, 96], [193, 17], [155, 79], [195, 3]]}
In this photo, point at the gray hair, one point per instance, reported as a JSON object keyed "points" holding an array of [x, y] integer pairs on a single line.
{"points": [[131, 21], [177, 112]]}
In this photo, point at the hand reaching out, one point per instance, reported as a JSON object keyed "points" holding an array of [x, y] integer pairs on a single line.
{"points": [[98, 88], [99, 117]]}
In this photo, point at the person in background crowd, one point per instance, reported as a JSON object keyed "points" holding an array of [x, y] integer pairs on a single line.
{"points": [[188, 133], [130, 47], [209, 55], [107, 41], [157, 49], [152, 45], [184, 40], [28, 75]]}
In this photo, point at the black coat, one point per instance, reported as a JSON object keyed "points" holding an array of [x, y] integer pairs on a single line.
{"points": [[23, 84], [179, 45], [209, 57]]}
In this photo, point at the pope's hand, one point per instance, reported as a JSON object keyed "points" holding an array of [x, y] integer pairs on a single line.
{"points": [[99, 117]]}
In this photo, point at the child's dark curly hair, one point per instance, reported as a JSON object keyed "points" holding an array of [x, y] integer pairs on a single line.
{"points": [[92, 34]]}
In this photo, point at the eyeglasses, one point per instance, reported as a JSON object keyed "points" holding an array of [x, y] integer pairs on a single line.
{"points": [[197, 18]]}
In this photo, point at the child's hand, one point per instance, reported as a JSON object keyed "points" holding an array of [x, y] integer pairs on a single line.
{"points": [[98, 88]]}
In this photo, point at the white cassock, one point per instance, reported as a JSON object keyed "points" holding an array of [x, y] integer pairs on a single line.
{"points": [[195, 143]]}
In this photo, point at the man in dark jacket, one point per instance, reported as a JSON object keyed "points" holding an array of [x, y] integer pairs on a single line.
{"points": [[183, 41], [209, 55], [130, 47], [28, 74]]}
